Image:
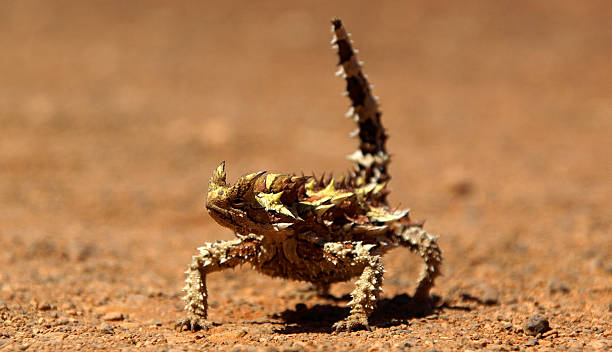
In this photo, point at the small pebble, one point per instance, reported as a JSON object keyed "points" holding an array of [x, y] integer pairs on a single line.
{"points": [[557, 286], [107, 329], [62, 321], [113, 316], [532, 342], [479, 344], [44, 306], [537, 324], [240, 333], [406, 345]]}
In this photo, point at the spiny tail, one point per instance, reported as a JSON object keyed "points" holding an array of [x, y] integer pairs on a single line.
{"points": [[371, 159]]}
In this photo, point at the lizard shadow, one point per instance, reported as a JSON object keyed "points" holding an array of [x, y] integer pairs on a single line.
{"points": [[389, 312]]}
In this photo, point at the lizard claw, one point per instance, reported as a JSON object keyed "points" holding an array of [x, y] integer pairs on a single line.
{"points": [[352, 323], [191, 323]]}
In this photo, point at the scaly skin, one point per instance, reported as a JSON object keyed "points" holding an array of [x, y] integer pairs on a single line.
{"points": [[320, 231]]}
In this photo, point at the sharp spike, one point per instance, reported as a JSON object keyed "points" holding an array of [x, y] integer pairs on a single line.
{"points": [[321, 181], [350, 112]]}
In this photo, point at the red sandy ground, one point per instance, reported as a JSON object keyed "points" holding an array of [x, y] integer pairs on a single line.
{"points": [[113, 115]]}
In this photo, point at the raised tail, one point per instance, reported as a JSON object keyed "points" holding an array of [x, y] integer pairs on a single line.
{"points": [[371, 159]]}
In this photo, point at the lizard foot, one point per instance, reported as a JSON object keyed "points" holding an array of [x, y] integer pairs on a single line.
{"points": [[192, 323], [352, 323]]}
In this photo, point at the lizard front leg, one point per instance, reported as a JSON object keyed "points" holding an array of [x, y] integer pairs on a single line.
{"points": [[212, 257], [367, 287], [425, 245]]}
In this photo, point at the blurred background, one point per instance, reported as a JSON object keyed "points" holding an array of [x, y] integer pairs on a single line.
{"points": [[113, 115]]}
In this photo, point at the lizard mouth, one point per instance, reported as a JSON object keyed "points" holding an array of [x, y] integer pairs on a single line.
{"points": [[216, 210]]}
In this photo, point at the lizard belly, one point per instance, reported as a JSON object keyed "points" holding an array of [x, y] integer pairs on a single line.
{"points": [[293, 259]]}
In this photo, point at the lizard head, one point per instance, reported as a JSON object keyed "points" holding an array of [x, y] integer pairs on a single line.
{"points": [[255, 202], [231, 205]]}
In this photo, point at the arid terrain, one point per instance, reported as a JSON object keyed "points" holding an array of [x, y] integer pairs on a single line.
{"points": [[113, 115]]}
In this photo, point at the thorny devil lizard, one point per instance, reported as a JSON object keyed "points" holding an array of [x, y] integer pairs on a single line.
{"points": [[316, 230]]}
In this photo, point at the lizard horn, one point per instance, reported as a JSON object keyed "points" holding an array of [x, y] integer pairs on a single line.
{"points": [[218, 178]]}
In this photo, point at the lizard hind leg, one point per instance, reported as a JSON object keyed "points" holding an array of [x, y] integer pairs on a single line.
{"points": [[367, 287], [426, 246], [212, 257]]}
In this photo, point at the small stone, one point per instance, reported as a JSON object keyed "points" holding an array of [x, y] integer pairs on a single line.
{"points": [[62, 321], [45, 306], [490, 297], [557, 286], [59, 337], [403, 346], [107, 329], [537, 324], [479, 344], [532, 342], [113, 316], [240, 333]]}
